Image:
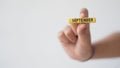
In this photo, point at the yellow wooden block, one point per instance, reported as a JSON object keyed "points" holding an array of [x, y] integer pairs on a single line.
{"points": [[82, 20]]}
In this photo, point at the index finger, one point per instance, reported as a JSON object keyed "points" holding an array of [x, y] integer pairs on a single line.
{"points": [[83, 13]]}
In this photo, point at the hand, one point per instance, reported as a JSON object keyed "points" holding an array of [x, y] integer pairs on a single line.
{"points": [[76, 40]]}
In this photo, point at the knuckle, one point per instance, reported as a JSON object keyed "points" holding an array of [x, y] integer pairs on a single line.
{"points": [[60, 34], [68, 31]]}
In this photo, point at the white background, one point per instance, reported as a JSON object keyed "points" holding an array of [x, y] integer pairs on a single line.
{"points": [[28, 31]]}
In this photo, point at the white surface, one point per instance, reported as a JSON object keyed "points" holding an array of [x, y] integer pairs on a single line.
{"points": [[28, 31]]}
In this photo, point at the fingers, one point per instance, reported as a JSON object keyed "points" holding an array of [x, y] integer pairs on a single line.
{"points": [[83, 13], [83, 27], [70, 34], [74, 28], [67, 36], [83, 47], [63, 39], [83, 31]]}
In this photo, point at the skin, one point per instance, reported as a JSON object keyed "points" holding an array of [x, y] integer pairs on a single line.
{"points": [[76, 41]]}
